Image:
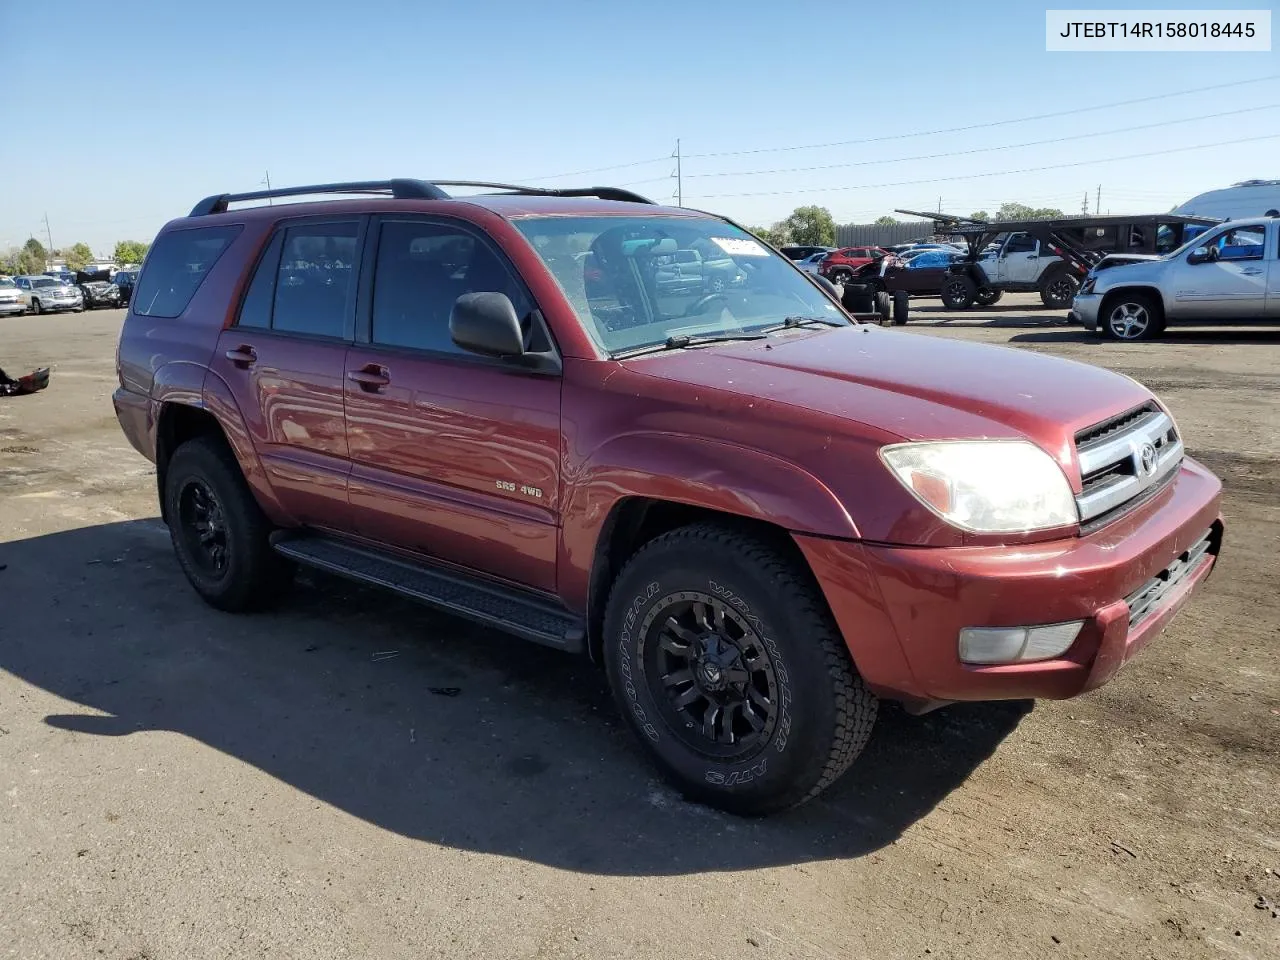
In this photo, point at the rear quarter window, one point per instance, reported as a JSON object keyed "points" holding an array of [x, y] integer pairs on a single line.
{"points": [[175, 267]]}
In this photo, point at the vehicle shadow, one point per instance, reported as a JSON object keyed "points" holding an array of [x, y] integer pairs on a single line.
{"points": [[422, 724], [1014, 317], [1176, 336]]}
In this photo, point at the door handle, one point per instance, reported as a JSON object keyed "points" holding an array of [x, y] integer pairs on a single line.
{"points": [[242, 356], [371, 377], [1251, 272]]}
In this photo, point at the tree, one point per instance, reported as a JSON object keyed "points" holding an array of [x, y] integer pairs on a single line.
{"points": [[980, 215], [1020, 211], [885, 221], [129, 251], [810, 226], [769, 234], [77, 256], [31, 258]]}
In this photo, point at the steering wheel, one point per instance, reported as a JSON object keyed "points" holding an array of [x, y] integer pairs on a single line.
{"points": [[702, 303]]}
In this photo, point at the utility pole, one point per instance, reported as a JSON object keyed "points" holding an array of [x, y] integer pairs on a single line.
{"points": [[939, 204], [48, 233], [267, 181], [1097, 206], [679, 176], [1085, 208]]}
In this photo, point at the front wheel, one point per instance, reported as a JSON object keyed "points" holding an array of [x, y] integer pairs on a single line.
{"points": [[1132, 317], [901, 306], [727, 666], [884, 305], [35, 307], [958, 292]]}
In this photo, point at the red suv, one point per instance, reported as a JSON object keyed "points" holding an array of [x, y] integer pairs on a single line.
{"points": [[843, 263], [759, 516]]}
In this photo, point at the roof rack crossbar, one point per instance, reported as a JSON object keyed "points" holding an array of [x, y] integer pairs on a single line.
{"points": [[401, 189], [602, 193]]}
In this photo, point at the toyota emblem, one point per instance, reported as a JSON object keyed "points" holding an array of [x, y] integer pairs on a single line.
{"points": [[1147, 457]]}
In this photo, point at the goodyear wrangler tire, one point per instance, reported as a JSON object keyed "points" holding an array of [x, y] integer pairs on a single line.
{"points": [[726, 664]]}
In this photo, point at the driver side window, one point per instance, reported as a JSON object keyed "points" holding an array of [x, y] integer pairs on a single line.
{"points": [[1242, 243], [1020, 243]]}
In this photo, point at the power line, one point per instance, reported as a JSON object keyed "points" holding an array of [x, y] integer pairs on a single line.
{"points": [[962, 153], [992, 123], [616, 166], [995, 173]]}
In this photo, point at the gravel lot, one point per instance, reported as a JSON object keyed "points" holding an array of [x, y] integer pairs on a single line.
{"points": [[179, 783]]}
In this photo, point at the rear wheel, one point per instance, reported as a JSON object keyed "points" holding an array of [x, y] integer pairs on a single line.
{"points": [[218, 531], [958, 292], [1058, 289], [1131, 317], [725, 663]]}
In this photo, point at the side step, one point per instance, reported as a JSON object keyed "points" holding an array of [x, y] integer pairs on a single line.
{"points": [[514, 611]]}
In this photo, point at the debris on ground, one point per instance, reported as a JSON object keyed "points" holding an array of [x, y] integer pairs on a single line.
{"points": [[31, 382]]}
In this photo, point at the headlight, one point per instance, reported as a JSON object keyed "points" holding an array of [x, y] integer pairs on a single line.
{"points": [[1089, 283], [986, 486]]}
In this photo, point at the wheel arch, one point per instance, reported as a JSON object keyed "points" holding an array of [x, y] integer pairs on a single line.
{"points": [[1116, 293]]}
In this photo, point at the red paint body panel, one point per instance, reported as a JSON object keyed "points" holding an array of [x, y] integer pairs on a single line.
{"points": [[785, 431], [928, 596]]}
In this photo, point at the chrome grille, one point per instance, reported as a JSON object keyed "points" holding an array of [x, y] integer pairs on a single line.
{"points": [[1124, 460], [1150, 597]]}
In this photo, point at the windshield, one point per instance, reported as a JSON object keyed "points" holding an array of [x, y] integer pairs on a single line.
{"points": [[6, 282], [637, 281], [1193, 233], [45, 282]]}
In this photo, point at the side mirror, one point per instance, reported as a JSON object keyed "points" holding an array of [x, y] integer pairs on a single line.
{"points": [[1203, 255], [486, 323]]}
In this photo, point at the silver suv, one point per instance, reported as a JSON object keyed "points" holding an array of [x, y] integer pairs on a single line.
{"points": [[1228, 273], [45, 294]]}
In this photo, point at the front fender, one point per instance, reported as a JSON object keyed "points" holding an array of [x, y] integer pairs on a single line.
{"points": [[693, 471]]}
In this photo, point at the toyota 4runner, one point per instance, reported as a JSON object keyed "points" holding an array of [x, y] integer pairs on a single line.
{"points": [[759, 516]]}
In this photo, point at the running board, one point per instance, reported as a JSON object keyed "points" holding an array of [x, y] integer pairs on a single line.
{"points": [[491, 604]]}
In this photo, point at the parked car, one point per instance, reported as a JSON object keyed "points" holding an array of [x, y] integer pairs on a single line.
{"points": [[1226, 275], [811, 263], [124, 281], [706, 270], [760, 517], [840, 265], [803, 251], [919, 273], [99, 293], [12, 298], [47, 295]]}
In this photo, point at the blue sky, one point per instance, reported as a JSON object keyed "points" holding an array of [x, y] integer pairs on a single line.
{"points": [[184, 102]]}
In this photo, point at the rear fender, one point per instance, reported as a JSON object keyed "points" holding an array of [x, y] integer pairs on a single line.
{"points": [[219, 401], [695, 472]]}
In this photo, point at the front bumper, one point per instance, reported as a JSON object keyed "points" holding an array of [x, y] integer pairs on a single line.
{"points": [[14, 306], [1084, 310], [901, 609]]}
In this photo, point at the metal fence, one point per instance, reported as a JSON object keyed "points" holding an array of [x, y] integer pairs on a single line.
{"points": [[875, 235]]}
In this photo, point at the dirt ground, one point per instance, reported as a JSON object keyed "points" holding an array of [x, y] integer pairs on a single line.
{"points": [[351, 776]]}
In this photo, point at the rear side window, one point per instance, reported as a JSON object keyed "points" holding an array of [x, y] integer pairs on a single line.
{"points": [[315, 279], [305, 280], [176, 266]]}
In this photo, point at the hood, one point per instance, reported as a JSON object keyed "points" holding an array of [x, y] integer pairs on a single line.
{"points": [[911, 386], [1120, 259]]}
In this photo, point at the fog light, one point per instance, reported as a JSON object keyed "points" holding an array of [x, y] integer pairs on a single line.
{"points": [[1017, 644]]}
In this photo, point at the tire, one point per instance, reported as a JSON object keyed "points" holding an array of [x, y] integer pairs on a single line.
{"points": [[985, 296], [1131, 317], [35, 306], [958, 292], [250, 574], [841, 275], [884, 306], [901, 306], [1058, 289], [811, 714]]}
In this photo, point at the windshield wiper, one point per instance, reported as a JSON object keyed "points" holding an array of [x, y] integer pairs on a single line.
{"points": [[788, 322], [683, 340]]}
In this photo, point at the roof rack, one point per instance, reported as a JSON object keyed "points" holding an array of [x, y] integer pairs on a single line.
{"points": [[408, 189]]}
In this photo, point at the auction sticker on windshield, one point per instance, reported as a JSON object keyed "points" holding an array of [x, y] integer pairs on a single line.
{"points": [[740, 247]]}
